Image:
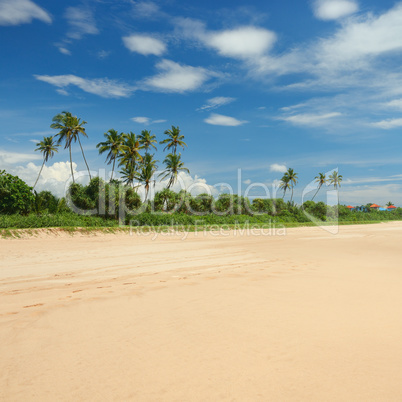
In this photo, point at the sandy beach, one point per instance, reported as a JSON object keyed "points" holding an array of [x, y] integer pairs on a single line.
{"points": [[298, 316]]}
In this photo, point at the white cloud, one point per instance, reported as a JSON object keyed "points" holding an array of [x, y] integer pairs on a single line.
{"points": [[101, 86], [221, 120], [174, 77], [243, 42], [146, 120], [146, 9], [54, 178], [275, 167], [396, 103], [81, 22], [144, 45], [388, 124], [351, 57], [64, 50], [310, 119], [141, 120], [216, 102], [16, 12], [334, 9], [380, 194], [9, 158]]}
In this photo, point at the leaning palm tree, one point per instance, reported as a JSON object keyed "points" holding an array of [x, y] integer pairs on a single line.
{"points": [[174, 165], [335, 179], [321, 179], [48, 148], [146, 172], [174, 139], [130, 150], [284, 185], [289, 180], [71, 127], [147, 140], [112, 145]]}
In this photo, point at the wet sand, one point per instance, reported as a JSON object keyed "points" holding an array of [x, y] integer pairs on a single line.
{"points": [[306, 316]]}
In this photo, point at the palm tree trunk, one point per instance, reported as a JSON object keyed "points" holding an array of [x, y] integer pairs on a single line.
{"points": [[111, 177], [291, 197], [71, 163], [316, 193], [43, 164], [83, 155], [146, 191]]}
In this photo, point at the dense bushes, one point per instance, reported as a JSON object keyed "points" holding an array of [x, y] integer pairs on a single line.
{"points": [[15, 195]]}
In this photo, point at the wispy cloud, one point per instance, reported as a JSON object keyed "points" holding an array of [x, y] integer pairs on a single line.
{"points": [[216, 102], [388, 124], [81, 22], [310, 119], [395, 104], [146, 120], [334, 9], [102, 86], [175, 77], [9, 158], [144, 44], [221, 120], [16, 12], [146, 9]]}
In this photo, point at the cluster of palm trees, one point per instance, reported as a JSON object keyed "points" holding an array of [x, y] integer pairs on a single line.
{"points": [[289, 180], [125, 148], [121, 147]]}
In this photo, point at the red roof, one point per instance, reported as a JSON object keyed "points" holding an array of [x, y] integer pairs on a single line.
{"points": [[349, 206], [391, 206], [374, 206]]}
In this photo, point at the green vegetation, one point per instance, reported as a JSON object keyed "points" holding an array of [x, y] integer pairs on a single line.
{"points": [[16, 196], [115, 203]]}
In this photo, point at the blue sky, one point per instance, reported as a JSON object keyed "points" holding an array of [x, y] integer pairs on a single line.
{"points": [[258, 86]]}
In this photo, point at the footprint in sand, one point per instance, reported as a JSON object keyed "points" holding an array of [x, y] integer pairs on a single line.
{"points": [[34, 305]]}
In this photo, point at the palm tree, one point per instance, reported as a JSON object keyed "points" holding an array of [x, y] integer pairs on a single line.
{"points": [[128, 174], [113, 145], [48, 148], [173, 166], [70, 129], [174, 139], [284, 185], [147, 170], [335, 179], [129, 152], [390, 204], [289, 180], [321, 179], [147, 140]]}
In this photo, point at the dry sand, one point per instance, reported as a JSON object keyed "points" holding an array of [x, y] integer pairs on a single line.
{"points": [[304, 317]]}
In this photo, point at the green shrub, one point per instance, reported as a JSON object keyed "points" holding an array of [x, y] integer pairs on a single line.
{"points": [[15, 195]]}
